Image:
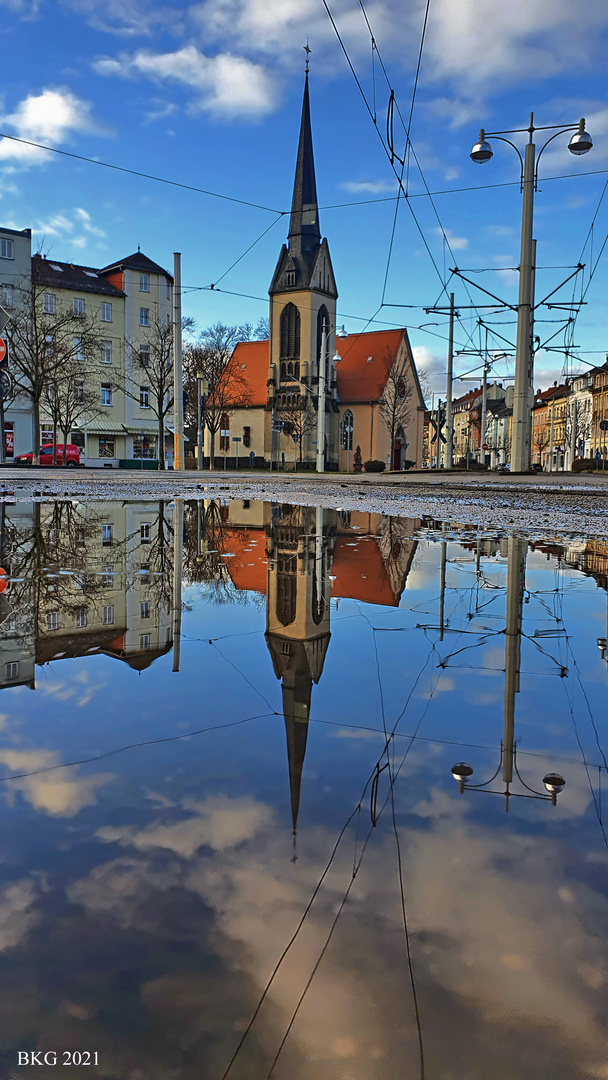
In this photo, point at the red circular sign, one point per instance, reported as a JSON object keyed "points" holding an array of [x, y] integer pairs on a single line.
{"points": [[485, 446], [2, 349], [3, 580]]}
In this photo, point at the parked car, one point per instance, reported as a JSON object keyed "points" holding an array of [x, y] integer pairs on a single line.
{"points": [[504, 467], [536, 467], [72, 456]]}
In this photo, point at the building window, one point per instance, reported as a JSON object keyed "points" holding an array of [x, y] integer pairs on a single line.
{"points": [[106, 393], [11, 671], [106, 312], [225, 434], [107, 577], [108, 615], [290, 332], [144, 316], [144, 609], [144, 355], [77, 348], [49, 303], [52, 620], [247, 436], [144, 283], [7, 249], [144, 448], [144, 397], [46, 436], [144, 532], [81, 618], [79, 391], [106, 447], [347, 430], [144, 574], [107, 534], [78, 306], [7, 296], [106, 352], [145, 641], [80, 535], [291, 278]]}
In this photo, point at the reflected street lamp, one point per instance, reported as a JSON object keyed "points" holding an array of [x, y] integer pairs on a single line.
{"points": [[554, 783], [580, 143]]}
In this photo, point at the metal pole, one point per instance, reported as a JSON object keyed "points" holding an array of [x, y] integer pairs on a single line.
{"points": [[444, 547], [449, 450], [178, 555], [2, 435], [551, 436], [199, 421], [178, 375], [516, 577], [573, 421], [520, 457], [484, 405], [321, 402], [438, 435]]}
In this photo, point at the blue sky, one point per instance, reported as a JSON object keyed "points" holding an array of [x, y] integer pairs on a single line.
{"points": [[209, 94]]}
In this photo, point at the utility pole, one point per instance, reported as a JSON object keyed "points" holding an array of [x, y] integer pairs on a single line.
{"points": [[484, 409], [516, 580], [449, 449], [178, 374], [202, 387], [178, 555], [321, 402], [551, 433]]}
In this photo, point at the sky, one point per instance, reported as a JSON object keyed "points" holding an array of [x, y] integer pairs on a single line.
{"points": [[209, 95]]}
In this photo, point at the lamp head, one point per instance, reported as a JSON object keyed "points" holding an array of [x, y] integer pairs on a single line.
{"points": [[554, 783], [581, 142], [342, 332], [482, 151], [337, 358], [462, 772]]}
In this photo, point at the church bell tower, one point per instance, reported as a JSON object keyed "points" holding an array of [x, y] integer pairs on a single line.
{"points": [[303, 298]]}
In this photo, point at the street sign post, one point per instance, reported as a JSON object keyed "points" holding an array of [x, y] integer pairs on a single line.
{"points": [[237, 439]]}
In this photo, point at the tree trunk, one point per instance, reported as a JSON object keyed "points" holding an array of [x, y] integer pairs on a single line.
{"points": [[161, 444], [54, 442], [212, 449], [36, 431], [64, 453]]}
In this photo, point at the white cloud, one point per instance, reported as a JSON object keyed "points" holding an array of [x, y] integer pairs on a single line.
{"points": [[457, 243], [224, 85], [374, 187], [59, 793], [49, 117]]}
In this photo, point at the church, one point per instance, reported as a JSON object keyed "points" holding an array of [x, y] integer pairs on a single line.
{"points": [[366, 384]]}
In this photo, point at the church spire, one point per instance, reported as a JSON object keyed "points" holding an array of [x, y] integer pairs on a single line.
{"points": [[304, 232]]}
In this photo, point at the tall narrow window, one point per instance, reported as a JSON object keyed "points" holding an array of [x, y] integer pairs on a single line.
{"points": [[49, 303], [79, 391], [6, 249], [107, 534], [347, 430], [78, 306], [108, 615], [106, 313], [52, 620], [81, 618], [144, 316], [144, 355], [11, 670], [7, 296], [106, 393], [106, 352], [144, 283], [144, 397], [290, 333]]}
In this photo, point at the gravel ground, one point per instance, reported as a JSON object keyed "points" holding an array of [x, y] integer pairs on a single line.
{"points": [[571, 506]]}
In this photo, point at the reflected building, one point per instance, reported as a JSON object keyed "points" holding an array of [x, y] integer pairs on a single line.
{"points": [[84, 580]]}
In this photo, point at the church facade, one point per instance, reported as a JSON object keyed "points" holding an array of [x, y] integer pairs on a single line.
{"points": [[365, 384]]}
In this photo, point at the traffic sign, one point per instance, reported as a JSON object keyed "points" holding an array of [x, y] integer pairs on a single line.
{"points": [[6, 383], [3, 353], [3, 580], [236, 438], [603, 425], [485, 446]]}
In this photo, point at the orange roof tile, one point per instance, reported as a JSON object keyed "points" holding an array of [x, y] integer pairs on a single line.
{"points": [[247, 569], [360, 572], [255, 355], [359, 377]]}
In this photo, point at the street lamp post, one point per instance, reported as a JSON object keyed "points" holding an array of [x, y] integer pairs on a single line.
{"points": [[580, 143]]}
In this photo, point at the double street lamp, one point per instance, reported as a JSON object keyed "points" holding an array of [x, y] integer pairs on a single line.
{"points": [[580, 143]]}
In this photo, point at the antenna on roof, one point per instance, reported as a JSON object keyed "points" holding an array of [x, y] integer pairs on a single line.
{"points": [[138, 249]]}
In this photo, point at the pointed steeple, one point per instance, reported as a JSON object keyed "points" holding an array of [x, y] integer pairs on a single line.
{"points": [[304, 231]]}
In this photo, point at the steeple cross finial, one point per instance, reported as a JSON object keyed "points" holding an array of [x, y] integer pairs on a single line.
{"points": [[308, 51]]}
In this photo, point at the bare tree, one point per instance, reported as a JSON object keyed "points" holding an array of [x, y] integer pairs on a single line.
{"points": [[43, 344], [68, 397], [540, 440], [297, 415], [150, 367], [228, 389], [395, 408]]}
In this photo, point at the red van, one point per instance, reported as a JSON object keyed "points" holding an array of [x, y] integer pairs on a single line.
{"points": [[72, 456]]}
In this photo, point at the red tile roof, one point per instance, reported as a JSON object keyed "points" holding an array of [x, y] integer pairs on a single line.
{"points": [[255, 355], [359, 377], [360, 572], [248, 569]]}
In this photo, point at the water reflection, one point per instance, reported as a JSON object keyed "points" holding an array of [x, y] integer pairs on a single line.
{"points": [[145, 901]]}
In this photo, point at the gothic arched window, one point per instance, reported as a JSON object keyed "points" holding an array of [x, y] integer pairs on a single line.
{"points": [[347, 430], [322, 318], [283, 371], [290, 333]]}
